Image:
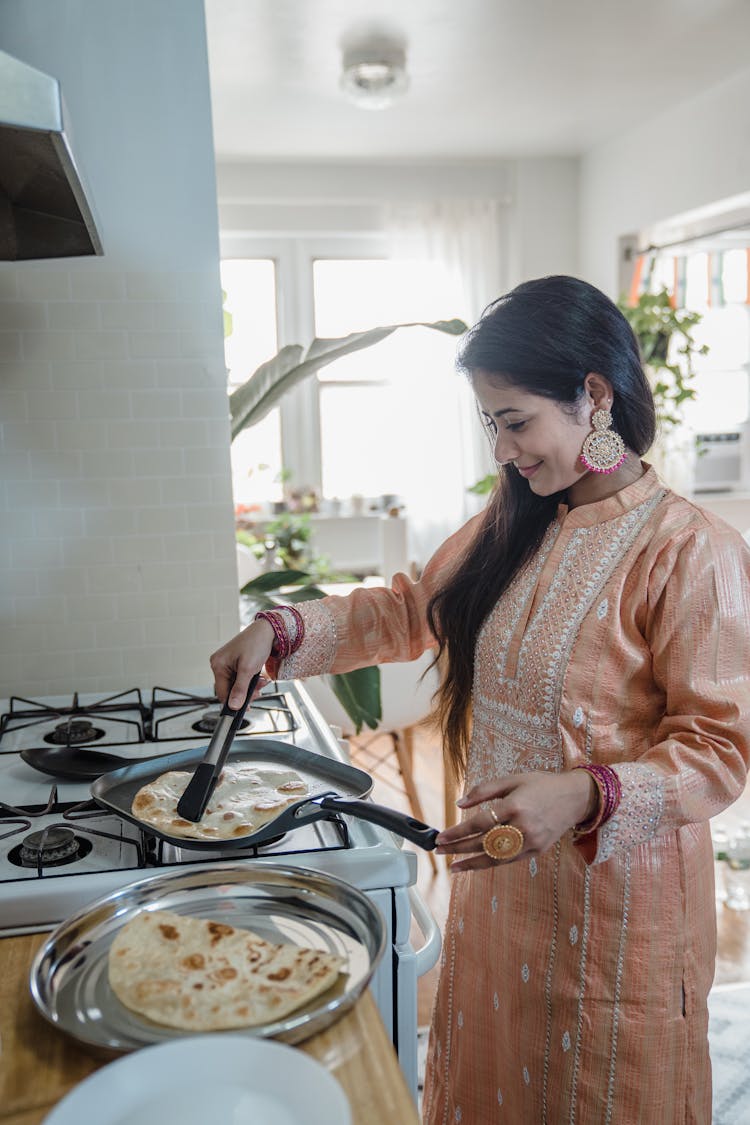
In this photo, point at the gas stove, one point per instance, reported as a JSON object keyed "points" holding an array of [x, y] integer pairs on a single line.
{"points": [[96, 722], [51, 830], [59, 850]]}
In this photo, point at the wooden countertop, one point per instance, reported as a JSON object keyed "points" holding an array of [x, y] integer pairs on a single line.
{"points": [[39, 1065]]}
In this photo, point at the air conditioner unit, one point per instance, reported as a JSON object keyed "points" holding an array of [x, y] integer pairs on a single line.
{"points": [[723, 462]]}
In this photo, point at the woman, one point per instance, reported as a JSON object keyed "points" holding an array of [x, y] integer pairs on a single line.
{"points": [[593, 631]]}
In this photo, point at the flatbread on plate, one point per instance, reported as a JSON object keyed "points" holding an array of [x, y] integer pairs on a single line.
{"points": [[245, 798], [195, 974]]}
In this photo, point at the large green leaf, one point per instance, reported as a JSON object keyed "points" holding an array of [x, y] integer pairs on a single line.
{"points": [[274, 580], [358, 692], [251, 402]]}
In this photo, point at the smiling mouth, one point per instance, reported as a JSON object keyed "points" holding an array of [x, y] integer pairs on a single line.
{"points": [[528, 470]]}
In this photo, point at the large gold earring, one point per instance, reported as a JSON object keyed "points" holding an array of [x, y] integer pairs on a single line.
{"points": [[603, 450]]}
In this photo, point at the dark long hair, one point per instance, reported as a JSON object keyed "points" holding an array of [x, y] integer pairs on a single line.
{"points": [[543, 337]]}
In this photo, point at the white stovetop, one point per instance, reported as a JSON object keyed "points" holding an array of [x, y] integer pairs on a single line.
{"points": [[375, 860]]}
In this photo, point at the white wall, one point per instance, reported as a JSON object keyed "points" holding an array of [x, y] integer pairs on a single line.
{"points": [[117, 558], [540, 198], [683, 159], [543, 231]]}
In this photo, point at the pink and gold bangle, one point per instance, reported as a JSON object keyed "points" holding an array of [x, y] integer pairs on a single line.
{"points": [[288, 634], [298, 626], [610, 794], [281, 645]]}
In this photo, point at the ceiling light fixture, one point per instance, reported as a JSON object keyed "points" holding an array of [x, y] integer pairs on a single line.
{"points": [[374, 74]]}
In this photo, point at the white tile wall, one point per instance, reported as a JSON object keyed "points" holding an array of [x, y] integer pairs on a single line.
{"points": [[117, 561]]}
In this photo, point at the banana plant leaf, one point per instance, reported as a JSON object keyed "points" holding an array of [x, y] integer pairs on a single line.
{"points": [[251, 402], [358, 692]]}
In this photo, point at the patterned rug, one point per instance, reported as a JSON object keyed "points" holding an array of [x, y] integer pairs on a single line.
{"points": [[729, 1031]]}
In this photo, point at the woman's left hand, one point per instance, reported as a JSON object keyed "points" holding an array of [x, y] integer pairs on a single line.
{"points": [[542, 805]]}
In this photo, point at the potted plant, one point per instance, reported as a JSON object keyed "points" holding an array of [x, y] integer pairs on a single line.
{"points": [[357, 691], [668, 349], [656, 324]]}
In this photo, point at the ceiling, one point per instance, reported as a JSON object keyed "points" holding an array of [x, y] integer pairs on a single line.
{"points": [[488, 78]]}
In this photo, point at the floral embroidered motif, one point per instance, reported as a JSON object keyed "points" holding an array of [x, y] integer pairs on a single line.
{"points": [[460, 1019], [533, 866], [493, 904], [578, 716], [316, 653], [460, 925], [517, 730], [458, 1114], [526, 1077], [573, 935], [525, 974], [499, 1097], [496, 1001], [566, 1041], [601, 609], [640, 811]]}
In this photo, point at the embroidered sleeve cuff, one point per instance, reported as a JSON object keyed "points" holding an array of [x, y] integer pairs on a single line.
{"points": [[637, 818], [316, 654]]}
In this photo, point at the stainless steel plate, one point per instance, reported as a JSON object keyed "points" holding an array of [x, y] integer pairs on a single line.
{"points": [[69, 976]]}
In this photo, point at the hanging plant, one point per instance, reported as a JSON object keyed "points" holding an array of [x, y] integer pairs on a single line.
{"points": [[656, 324]]}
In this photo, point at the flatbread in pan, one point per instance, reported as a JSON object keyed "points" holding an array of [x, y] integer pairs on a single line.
{"points": [[246, 797], [195, 974]]}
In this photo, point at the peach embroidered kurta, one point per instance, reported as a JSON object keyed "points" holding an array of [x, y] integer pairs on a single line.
{"points": [[573, 984]]}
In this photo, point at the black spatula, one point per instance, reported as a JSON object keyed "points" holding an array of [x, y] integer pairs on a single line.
{"points": [[192, 803]]}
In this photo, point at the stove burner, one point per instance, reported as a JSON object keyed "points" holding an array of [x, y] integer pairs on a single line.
{"points": [[74, 732], [209, 721], [51, 847]]}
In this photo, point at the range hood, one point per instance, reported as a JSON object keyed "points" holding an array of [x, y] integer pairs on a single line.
{"points": [[44, 212]]}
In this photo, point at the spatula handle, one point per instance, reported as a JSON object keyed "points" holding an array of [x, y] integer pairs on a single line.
{"points": [[192, 804]]}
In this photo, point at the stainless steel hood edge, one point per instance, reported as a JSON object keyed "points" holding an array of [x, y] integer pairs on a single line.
{"points": [[45, 211]]}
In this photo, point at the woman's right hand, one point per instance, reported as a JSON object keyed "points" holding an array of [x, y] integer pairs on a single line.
{"points": [[236, 662]]}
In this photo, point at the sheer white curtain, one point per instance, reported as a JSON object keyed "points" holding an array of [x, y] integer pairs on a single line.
{"points": [[465, 240]]}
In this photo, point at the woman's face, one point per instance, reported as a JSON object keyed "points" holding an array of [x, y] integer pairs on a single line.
{"points": [[536, 434]]}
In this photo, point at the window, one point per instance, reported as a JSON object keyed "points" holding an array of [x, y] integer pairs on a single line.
{"points": [[250, 301], [389, 411], [714, 284], [381, 422], [722, 380]]}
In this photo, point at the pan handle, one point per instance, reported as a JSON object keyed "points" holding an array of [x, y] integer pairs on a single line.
{"points": [[400, 823]]}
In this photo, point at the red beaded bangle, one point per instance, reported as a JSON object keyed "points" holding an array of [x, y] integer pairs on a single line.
{"points": [[610, 794], [285, 643], [281, 644]]}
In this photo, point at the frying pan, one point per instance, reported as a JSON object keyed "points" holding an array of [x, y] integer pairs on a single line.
{"points": [[334, 787]]}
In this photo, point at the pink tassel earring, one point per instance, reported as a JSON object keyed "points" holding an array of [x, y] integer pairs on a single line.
{"points": [[603, 450]]}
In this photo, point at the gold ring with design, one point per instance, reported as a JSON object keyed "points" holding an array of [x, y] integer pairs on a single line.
{"points": [[504, 841], [494, 815]]}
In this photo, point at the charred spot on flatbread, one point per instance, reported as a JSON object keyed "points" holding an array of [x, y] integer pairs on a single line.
{"points": [[212, 976]]}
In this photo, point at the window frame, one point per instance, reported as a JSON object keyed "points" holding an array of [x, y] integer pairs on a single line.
{"points": [[294, 256]]}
